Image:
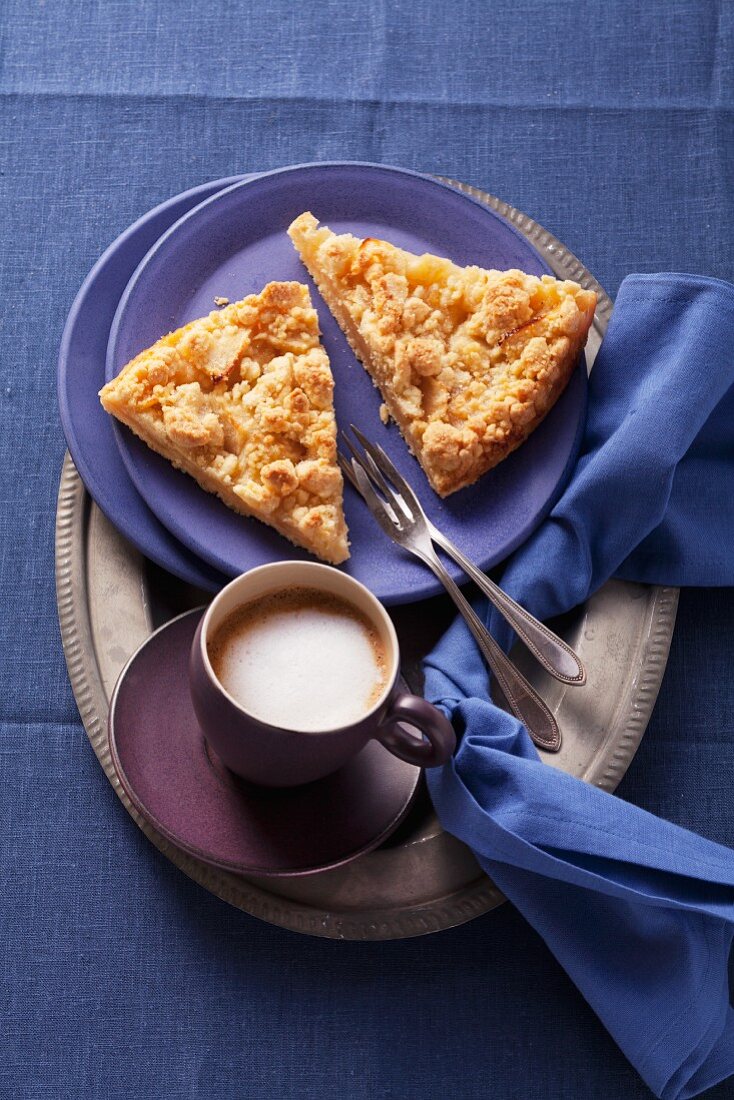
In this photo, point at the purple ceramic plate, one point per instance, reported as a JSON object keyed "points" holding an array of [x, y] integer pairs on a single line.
{"points": [[234, 243], [182, 789], [80, 375]]}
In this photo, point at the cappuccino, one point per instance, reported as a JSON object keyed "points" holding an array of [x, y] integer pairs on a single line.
{"points": [[301, 659]]}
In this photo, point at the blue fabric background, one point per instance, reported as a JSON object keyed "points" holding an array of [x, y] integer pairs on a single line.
{"points": [[609, 122]]}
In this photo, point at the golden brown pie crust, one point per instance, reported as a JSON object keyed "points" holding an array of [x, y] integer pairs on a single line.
{"points": [[242, 401], [468, 361]]}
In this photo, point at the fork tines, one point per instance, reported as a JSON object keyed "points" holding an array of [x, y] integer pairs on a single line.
{"points": [[370, 472], [382, 472]]}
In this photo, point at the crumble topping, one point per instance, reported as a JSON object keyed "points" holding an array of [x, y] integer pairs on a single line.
{"points": [[243, 400], [469, 361]]}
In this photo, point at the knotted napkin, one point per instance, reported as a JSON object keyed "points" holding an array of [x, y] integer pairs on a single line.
{"points": [[639, 911]]}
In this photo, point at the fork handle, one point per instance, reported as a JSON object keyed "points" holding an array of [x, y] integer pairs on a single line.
{"points": [[556, 657], [523, 700]]}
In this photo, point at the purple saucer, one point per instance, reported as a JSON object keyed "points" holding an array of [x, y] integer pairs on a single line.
{"points": [[182, 789]]}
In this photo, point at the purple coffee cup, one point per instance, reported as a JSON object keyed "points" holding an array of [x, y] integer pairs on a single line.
{"points": [[275, 757]]}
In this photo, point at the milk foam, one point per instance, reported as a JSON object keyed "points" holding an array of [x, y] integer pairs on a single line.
{"points": [[300, 660]]}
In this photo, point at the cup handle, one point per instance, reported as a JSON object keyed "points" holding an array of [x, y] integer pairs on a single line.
{"points": [[425, 717]]}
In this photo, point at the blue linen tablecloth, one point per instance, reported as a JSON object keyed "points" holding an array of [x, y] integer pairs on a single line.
{"points": [[612, 124]]}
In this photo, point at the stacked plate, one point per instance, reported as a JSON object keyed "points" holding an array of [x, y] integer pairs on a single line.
{"points": [[227, 239]]}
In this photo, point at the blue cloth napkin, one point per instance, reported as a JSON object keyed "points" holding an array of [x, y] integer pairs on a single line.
{"points": [[639, 911]]}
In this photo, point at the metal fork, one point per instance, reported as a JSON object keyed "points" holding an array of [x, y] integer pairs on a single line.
{"points": [[556, 657], [523, 700]]}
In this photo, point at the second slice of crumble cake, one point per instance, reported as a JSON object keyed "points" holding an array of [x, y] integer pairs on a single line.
{"points": [[468, 361], [242, 400]]}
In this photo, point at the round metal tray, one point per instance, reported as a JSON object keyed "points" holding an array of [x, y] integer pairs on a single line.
{"points": [[422, 880]]}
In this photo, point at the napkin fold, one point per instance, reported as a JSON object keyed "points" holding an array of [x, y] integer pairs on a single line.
{"points": [[639, 911]]}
